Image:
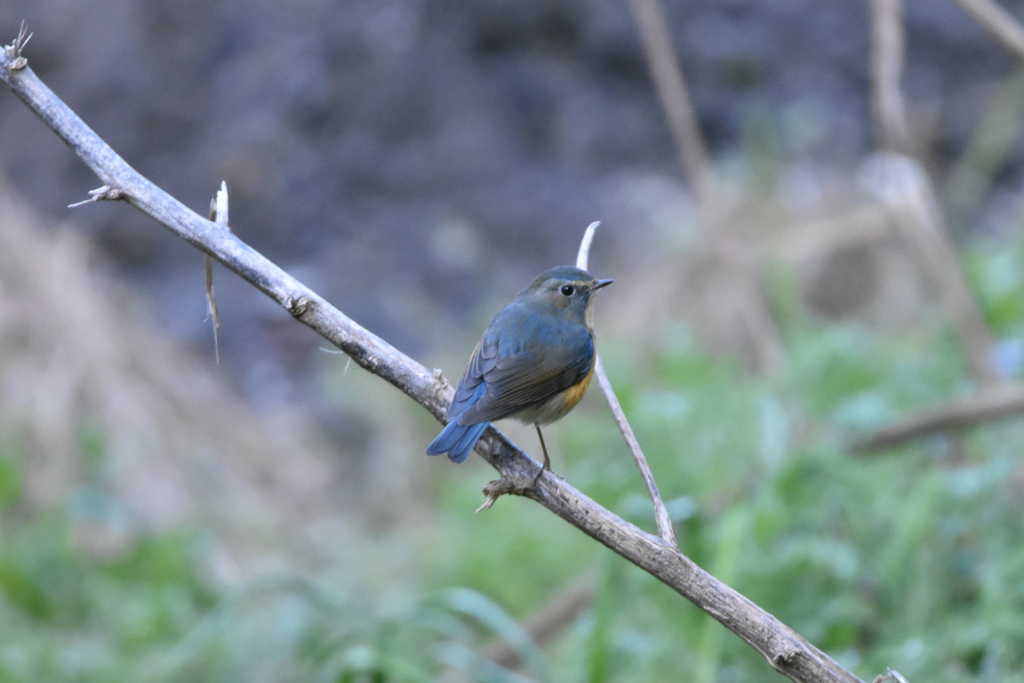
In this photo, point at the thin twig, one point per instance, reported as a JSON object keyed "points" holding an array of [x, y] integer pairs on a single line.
{"points": [[747, 317], [670, 84], [887, 48], [783, 648], [665, 528], [583, 255], [1002, 25]]}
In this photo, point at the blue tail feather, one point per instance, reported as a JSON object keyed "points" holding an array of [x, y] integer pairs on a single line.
{"points": [[448, 437], [461, 450], [457, 440]]}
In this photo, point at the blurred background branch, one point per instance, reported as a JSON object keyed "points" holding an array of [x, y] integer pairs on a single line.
{"points": [[989, 406], [670, 84], [1000, 24], [904, 186], [887, 49], [737, 290]]}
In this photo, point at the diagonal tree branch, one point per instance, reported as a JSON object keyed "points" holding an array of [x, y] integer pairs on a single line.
{"points": [[992, 405], [1002, 25], [670, 84], [784, 649]]}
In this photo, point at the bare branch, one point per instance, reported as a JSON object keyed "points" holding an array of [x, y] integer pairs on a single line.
{"points": [[746, 318], [665, 528], [670, 85], [784, 649], [996, 404], [1002, 25], [887, 47]]}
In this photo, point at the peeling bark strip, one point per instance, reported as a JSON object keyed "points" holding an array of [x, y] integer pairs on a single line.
{"points": [[783, 648]]}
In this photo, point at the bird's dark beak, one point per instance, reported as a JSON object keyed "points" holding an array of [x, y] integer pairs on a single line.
{"points": [[601, 283]]}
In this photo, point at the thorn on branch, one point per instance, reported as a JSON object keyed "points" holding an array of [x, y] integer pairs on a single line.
{"points": [[13, 51], [105, 193], [219, 206], [219, 215]]}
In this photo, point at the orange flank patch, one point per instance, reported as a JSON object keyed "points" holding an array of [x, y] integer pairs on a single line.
{"points": [[574, 394]]}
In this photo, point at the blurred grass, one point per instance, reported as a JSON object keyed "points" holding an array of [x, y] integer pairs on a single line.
{"points": [[910, 559]]}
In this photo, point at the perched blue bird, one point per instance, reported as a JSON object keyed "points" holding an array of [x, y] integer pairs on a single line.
{"points": [[534, 362]]}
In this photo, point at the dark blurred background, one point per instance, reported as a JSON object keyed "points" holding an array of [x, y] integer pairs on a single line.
{"points": [[416, 162], [409, 159]]}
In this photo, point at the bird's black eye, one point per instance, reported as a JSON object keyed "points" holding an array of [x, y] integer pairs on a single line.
{"points": [[568, 290]]}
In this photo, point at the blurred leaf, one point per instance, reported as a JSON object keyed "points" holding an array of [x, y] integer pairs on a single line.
{"points": [[488, 613]]}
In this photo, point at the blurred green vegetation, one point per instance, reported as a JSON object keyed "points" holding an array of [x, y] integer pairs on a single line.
{"points": [[910, 559]]}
